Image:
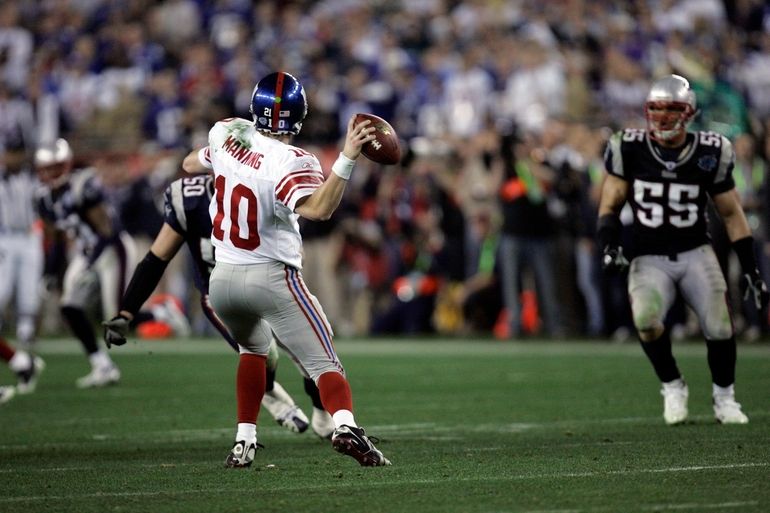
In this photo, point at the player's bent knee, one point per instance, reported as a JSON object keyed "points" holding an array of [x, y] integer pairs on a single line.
{"points": [[272, 356], [648, 324], [651, 334], [714, 329], [647, 315], [716, 323], [252, 349], [69, 308], [246, 350], [316, 372]]}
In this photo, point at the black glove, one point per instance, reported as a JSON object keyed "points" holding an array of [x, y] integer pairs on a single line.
{"points": [[756, 289], [115, 330], [613, 259]]}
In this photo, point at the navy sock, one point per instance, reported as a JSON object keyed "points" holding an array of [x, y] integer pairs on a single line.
{"points": [[81, 327], [312, 391], [662, 359], [722, 355]]}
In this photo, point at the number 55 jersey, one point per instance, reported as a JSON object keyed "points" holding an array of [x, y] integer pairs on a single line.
{"points": [[258, 181], [669, 188]]}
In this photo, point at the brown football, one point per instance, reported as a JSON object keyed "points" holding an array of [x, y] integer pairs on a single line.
{"points": [[385, 149]]}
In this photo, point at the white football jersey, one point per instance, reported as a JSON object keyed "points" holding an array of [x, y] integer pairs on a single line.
{"points": [[258, 181], [17, 201]]}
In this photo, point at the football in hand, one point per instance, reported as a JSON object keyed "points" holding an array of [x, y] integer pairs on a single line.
{"points": [[384, 149]]}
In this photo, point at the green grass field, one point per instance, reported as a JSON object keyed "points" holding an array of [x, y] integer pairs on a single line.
{"points": [[470, 427]]}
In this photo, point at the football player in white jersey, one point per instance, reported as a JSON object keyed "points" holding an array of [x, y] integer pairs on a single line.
{"points": [[262, 185], [73, 202], [187, 221], [21, 264]]}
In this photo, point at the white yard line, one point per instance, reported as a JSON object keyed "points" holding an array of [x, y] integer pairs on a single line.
{"points": [[405, 347], [385, 484], [652, 507], [415, 431], [90, 467]]}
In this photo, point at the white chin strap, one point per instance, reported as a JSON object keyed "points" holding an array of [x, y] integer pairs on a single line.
{"points": [[671, 133]]}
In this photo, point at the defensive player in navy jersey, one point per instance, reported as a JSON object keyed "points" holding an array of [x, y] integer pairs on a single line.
{"points": [[187, 221], [73, 202], [667, 174]]}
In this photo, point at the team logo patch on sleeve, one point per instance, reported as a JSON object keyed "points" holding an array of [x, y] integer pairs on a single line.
{"points": [[707, 162]]}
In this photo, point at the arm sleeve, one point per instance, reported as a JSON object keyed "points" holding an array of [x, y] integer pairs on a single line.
{"points": [[43, 211], [204, 156], [723, 179], [143, 282], [613, 156], [91, 194], [744, 250], [302, 177], [172, 198]]}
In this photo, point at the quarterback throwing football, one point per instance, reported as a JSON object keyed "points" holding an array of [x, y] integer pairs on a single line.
{"points": [[261, 185]]}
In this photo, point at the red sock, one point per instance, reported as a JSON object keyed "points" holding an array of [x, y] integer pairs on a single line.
{"points": [[250, 386], [6, 351], [335, 392]]}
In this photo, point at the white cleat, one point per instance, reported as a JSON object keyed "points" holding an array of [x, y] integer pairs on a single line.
{"points": [[281, 406], [322, 423], [727, 410], [293, 419], [6, 394], [675, 396], [170, 312], [99, 377]]}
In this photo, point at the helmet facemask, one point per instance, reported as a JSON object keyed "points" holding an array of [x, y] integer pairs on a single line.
{"points": [[53, 163], [669, 108], [667, 121]]}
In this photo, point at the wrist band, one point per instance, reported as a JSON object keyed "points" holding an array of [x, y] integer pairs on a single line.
{"points": [[343, 167], [608, 230], [744, 250]]}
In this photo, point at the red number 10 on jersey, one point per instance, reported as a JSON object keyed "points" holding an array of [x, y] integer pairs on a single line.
{"points": [[239, 193]]}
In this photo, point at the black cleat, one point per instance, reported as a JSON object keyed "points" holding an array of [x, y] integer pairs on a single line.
{"points": [[27, 379], [354, 442]]}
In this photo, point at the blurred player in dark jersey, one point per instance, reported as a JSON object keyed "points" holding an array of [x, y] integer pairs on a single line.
{"points": [[668, 174], [187, 221], [73, 202]]}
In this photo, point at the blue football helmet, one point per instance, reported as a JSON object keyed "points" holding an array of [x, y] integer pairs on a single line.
{"points": [[278, 104]]}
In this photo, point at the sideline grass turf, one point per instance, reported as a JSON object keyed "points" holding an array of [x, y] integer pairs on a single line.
{"points": [[471, 426]]}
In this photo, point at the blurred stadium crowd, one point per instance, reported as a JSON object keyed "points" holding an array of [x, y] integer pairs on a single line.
{"points": [[503, 106]]}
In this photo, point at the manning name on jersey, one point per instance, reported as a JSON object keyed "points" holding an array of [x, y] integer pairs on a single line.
{"points": [[258, 181]]}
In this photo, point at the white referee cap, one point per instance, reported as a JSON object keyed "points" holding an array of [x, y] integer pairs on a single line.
{"points": [[53, 153]]}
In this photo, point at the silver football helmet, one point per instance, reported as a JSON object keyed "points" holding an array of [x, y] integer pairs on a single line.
{"points": [[669, 108], [54, 162]]}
